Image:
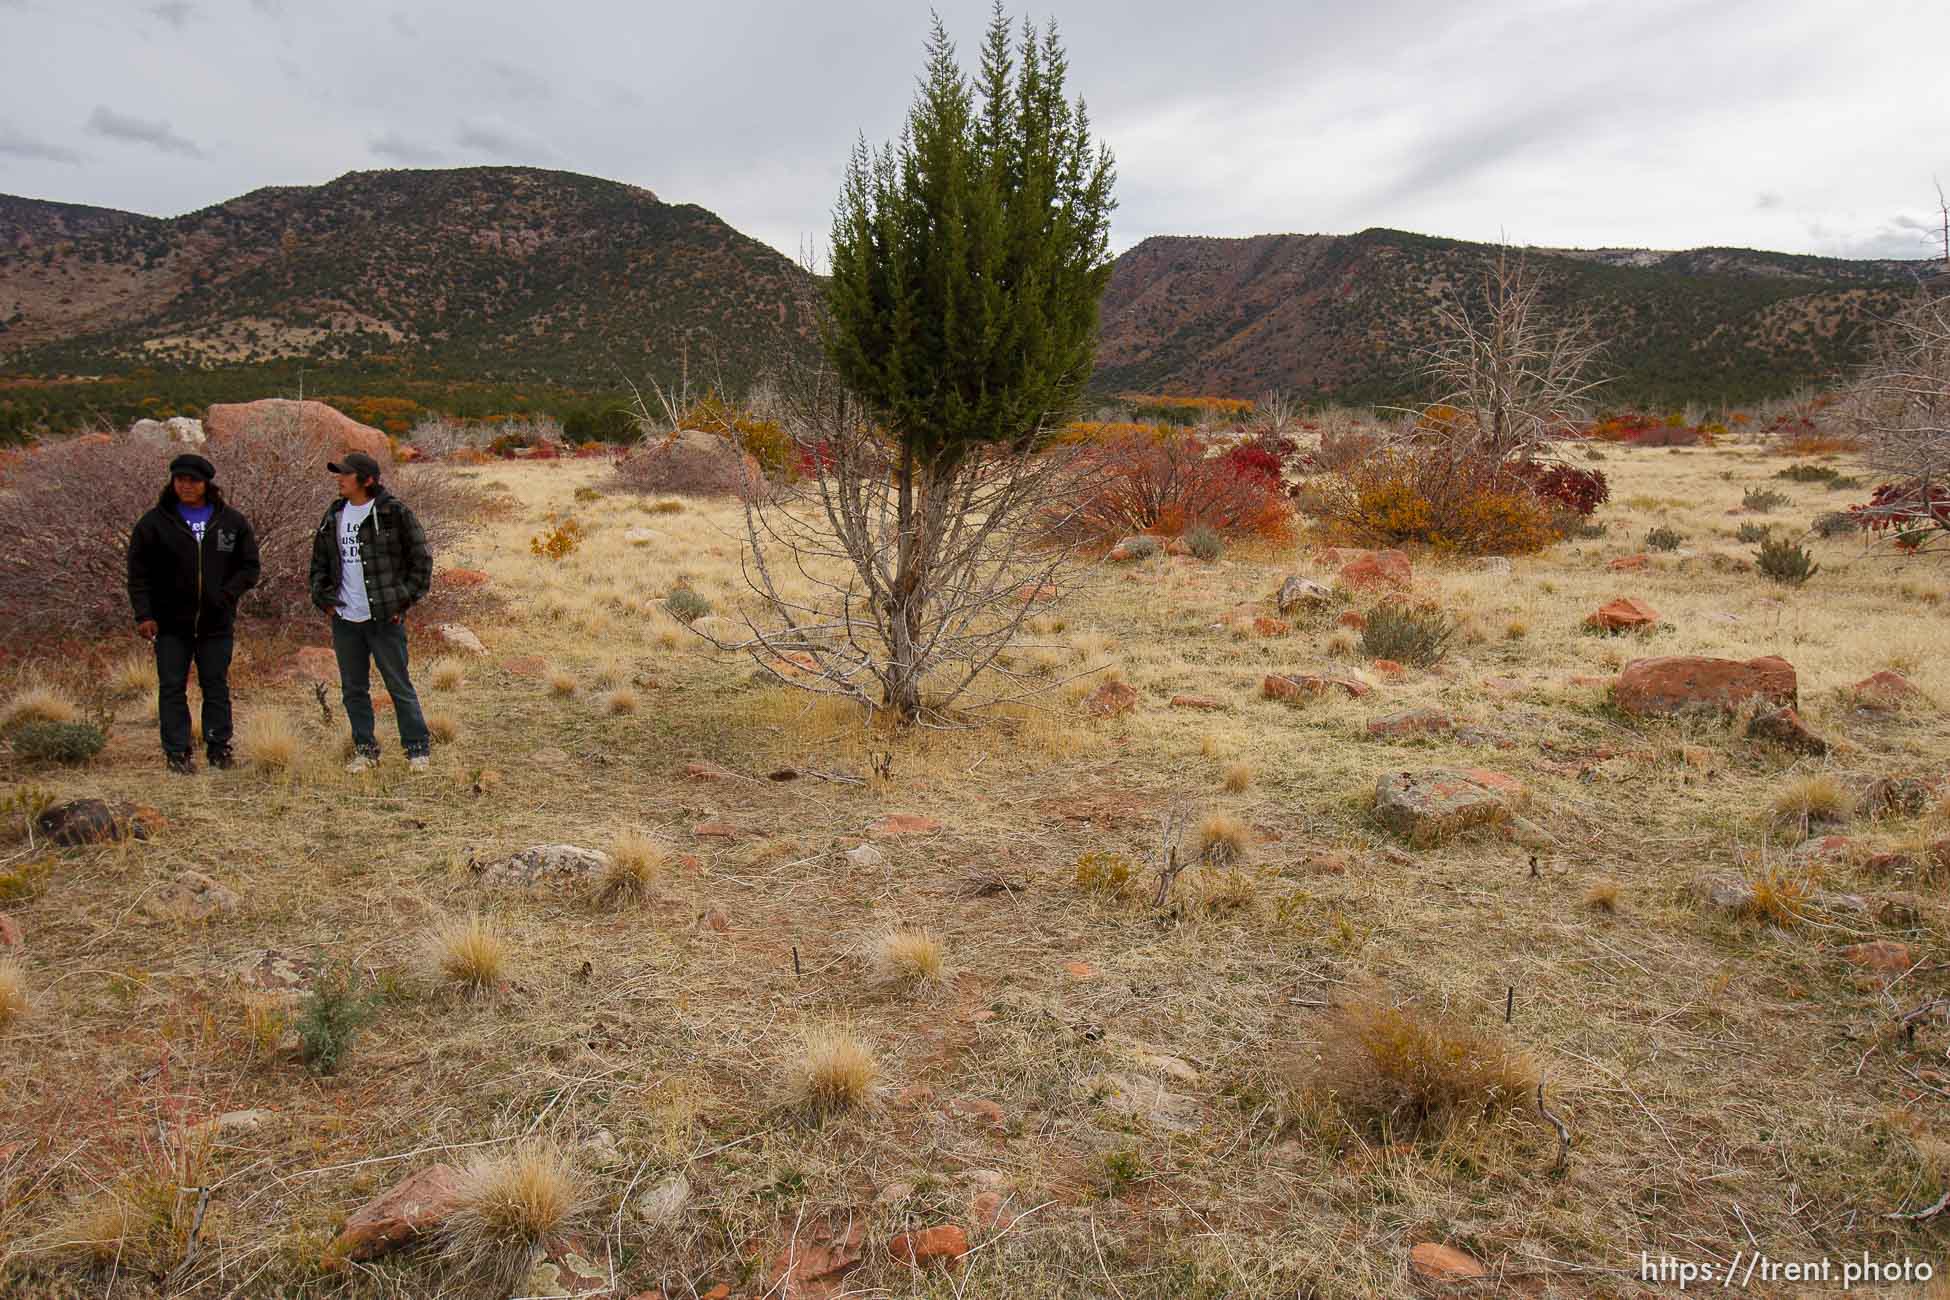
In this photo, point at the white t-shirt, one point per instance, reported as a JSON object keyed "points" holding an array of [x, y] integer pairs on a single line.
{"points": [[353, 605]]}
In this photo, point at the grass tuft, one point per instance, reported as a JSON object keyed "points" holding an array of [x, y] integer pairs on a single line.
{"points": [[562, 683], [13, 992], [1602, 895], [1238, 776], [620, 701], [1816, 798], [134, 674], [508, 1204], [39, 704], [908, 956], [447, 674], [469, 951], [1397, 1072], [834, 1071], [635, 860], [1221, 840], [443, 726], [269, 742]]}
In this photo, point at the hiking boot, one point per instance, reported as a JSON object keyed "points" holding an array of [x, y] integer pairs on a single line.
{"points": [[419, 763], [223, 759], [361, 763], [180, 764]]}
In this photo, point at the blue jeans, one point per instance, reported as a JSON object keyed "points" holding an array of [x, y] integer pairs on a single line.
{"points": [[211, 655], [359, 646]]}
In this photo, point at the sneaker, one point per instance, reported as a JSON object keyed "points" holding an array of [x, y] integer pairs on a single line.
{"points": [[180, 764], [420, 763], [223, 759], [361, 763]]}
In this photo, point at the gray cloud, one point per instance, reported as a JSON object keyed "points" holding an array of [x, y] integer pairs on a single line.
{"points": [[400, 149], [105, 121], [16, 144], [402, 24], [501, 143], [1767, 201], [177, 13], [512, 81]]}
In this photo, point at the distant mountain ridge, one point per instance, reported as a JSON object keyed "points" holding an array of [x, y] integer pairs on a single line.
{"points": [[516, 275], [501, 272], [1344, 316]]}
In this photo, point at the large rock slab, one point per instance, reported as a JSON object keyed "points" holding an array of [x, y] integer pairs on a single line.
{"points": [[328, 430], [416, 1205], [191, 897], [1427, 808], [545, 864], [1298, 593], [1675, 684], [95, 821]]}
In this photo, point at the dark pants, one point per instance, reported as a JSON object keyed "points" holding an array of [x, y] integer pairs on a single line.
{"points": [[359, 646], [211, 655]]}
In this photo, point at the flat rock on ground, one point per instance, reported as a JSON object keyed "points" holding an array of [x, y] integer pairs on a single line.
{"points": [[416, 1204], [1429, 807], [1673, 684], [545, 864]]}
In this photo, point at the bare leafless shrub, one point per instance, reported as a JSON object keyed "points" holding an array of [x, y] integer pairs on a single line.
{"points": [[76, 501], [1900, 408], [688, 463]]}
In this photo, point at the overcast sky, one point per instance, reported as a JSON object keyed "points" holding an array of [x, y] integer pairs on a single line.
{"points": [[1803, 125]]}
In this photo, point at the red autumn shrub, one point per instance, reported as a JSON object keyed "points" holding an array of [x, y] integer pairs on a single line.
{"points": [[1166, 484], [1565, 487]]}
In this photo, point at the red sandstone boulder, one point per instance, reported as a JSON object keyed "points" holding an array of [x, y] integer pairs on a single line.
{"points": [[1672, 684], [1377, 569], [419, 1203], [330, 431], [1623, 616]]}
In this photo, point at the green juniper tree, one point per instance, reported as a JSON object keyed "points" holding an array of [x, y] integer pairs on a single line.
{"points": [[960, 325]]}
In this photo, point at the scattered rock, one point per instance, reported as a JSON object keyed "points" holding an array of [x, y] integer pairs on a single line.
{"points": [[895, 824], [325, 428], [1623, 615], [272, 971], [1672, 684], [866, 855], [461, 638], [1629, 563], [1438, 1263], [1900, 911], [191, 897], [819, 1255], [1389, 668], [417, 1204], [1412, 722], [1883, 956], [1427, 808], [663, 1205], [714, 831], [235, 1121], [1111, 699], [93, 821], [1081, 970], [980, 1109], [1725, 894], [1302, 593], [1294, 686], [564, 1269], [1352, 619], [177, 431], [988, 1211], [943, 1246], [1196, 702], [1883, 692], [545, 864], [1264, 626], [1131, 549], [1142, 1097], [10, 935], [1377, 569], [525, 666], [1785, 728]]}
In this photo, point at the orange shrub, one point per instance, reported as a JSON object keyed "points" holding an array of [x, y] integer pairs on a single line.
{"points": [[767, 443], [1449, 505], [1167, 484]]}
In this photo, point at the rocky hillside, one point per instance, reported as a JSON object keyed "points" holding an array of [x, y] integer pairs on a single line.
{"points": [[499, 273], [1344, 315]]}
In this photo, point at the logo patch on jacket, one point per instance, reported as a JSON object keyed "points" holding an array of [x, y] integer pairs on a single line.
{"points": [[226, 541]]}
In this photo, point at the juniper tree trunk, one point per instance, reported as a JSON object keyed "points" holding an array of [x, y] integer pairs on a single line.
{"points": [[902, 688]]}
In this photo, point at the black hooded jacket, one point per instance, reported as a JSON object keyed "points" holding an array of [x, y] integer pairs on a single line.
{"points": [[191, 590]]}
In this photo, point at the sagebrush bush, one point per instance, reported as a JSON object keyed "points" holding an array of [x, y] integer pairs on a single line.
{"points": [[1204, 543], [1809, 474], [1836, 523], [1663, 539], [58, 742], [65, 571], [1785, 562], [1408, 634], [1761, 500], [1752, 532], [686, 606]]}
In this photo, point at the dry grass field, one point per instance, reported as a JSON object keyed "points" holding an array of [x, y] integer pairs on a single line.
{"points": [[746, 1032]]}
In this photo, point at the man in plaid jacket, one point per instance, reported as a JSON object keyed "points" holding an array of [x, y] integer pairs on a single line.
{"points": [[369, 564]]}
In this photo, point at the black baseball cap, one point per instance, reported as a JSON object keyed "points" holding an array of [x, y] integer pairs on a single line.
{"points": [[194, 466], [355, 462]]}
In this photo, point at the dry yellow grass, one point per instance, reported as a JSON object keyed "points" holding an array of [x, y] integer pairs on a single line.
{"points": [[908, 956], [1238, 777], [1602, 895], [269, 742], [442, 726], [470, 951], [1221, 840], [833, 1070], [1396, 1071], [635, 860], [620, 701], [447, 674], [648, 1023], [508, 1203], [39, 703], [14, 1004], [562, 684], [134, 673], [1816, 798]]}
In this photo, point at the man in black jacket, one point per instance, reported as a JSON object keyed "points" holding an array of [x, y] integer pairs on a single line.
{"points": [[191, 558]]}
